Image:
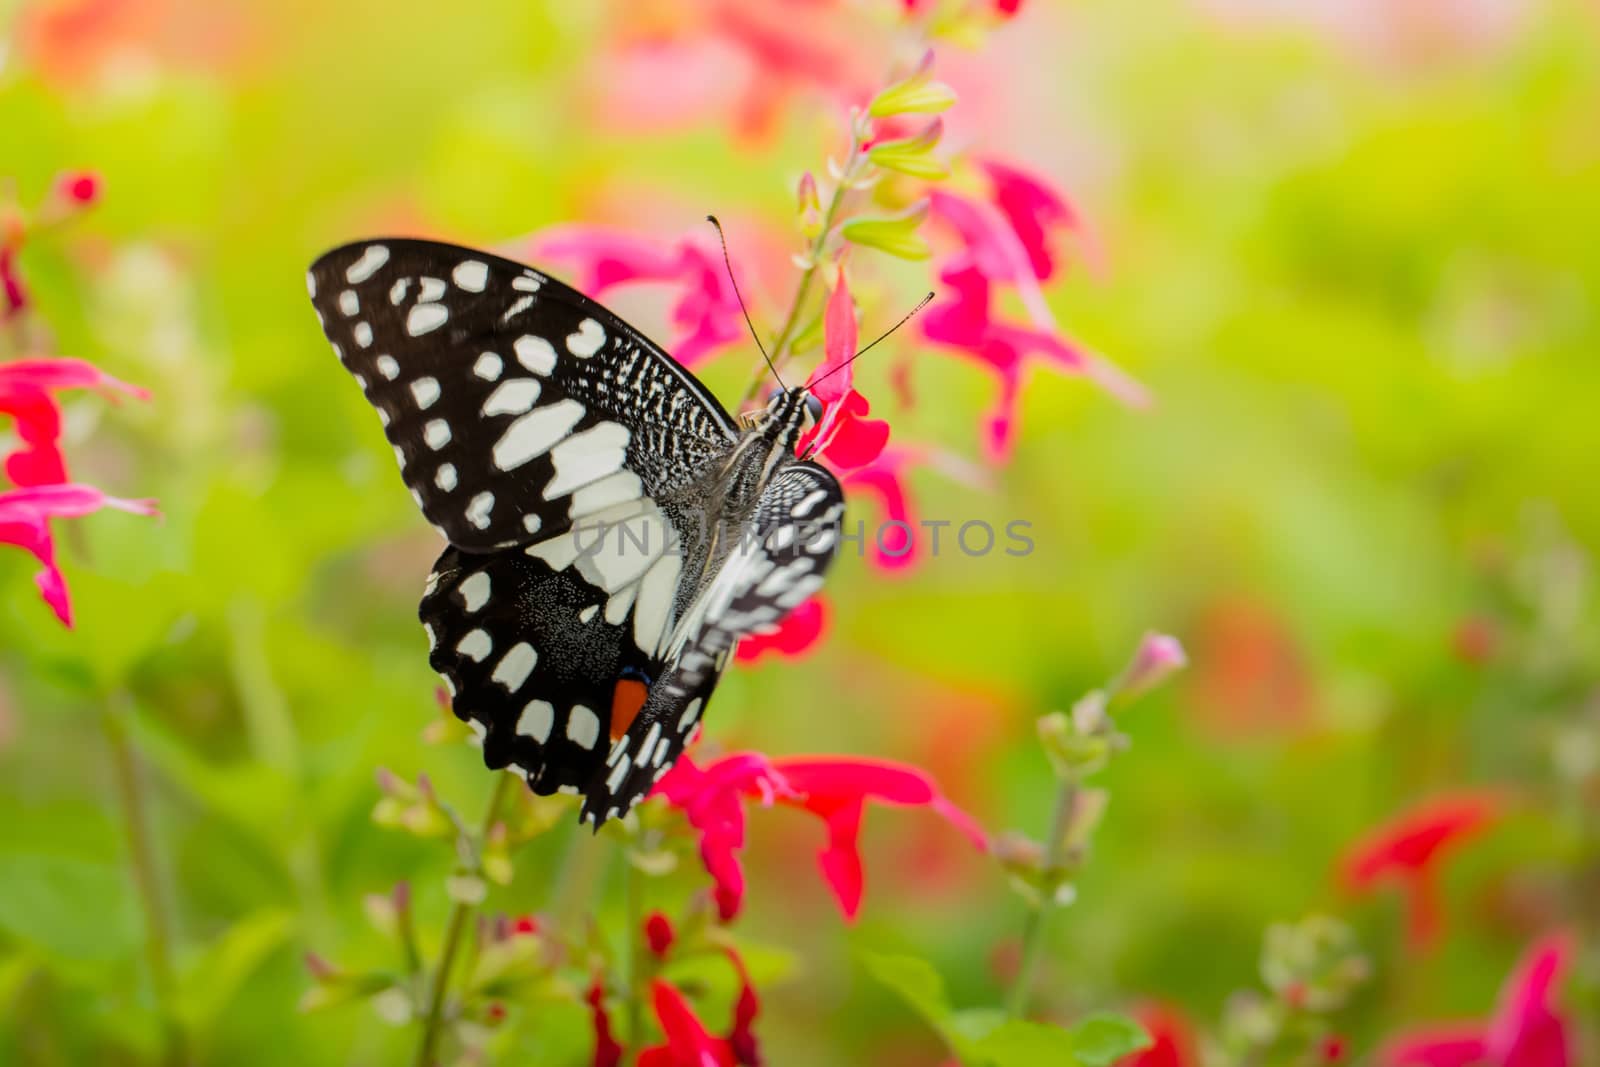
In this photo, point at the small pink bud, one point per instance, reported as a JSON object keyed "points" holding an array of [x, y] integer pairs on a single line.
{"points": [[79, 188], [402, 896], [386, 780], [1159, 656], [321, 970], [807, 192]]}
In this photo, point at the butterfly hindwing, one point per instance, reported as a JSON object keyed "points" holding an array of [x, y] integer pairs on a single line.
{"points": [[516, 405], [779, 562]]}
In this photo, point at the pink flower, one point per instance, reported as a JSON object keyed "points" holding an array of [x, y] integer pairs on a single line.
{"points": [[1159, 657], [607, 1051], [843, 436], [705, 315], [25, 516], [798, 632], [834, 789], [1408, 850], [689, 1043], [1527, 1029], [1007, 243], [26, 387]]}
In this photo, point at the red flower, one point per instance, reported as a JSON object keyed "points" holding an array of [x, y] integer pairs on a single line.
{"points": [[835, 789], [1171, 1036], [843, 436], [712, 800], [797, 633], [12, 292], [1527, 1029], [1409, 848], [78, 188], [894, 544], [524, 925], [688, 1044], [658, 934], [742, 1039], [26, 386], [607, 1051], [1006, 243], [25, 516], [706, 315]]}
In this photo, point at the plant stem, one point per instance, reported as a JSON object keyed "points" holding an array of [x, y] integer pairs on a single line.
{"points": [[452, 937], [786, 333], [1034, 929], [141, 856], [634, 960]]}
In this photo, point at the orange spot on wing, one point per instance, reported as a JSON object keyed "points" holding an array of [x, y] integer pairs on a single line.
{"points": [[626, 700]]}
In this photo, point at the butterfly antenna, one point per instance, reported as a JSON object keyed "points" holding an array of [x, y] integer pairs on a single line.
{"points": [[728, 262], [886, 333]]}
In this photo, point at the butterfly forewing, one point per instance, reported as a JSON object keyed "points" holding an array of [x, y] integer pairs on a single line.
{"points": [[515, 404]]}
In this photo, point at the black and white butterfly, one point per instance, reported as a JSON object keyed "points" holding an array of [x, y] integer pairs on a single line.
{"points": [[612, 531]]}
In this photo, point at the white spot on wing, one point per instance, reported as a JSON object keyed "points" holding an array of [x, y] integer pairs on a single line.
{"points": [[432, 289], [426, 391], [514, 397], [587, 341], [515, 666], [488, 367], [436, 433], [536, 720], [387, 367], [690, 714], [535, 353], [535, 433], [587, 457], [476, 645], [474, 590], [478, 509], [349, 303], [583, 727], [372, 257], [363, 335], [524, 283], [397, 291], [471, 275], [311, 285], [445, 476], [618, 773], [618, 488], [425, 317]]}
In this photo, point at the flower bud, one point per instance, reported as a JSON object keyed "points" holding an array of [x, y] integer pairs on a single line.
{"points": [[1159, 656], [78, 188], [913, 155], [916, 94], [894, 234]]}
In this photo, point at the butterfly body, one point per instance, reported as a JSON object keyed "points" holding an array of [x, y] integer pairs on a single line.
{"points": [[611, 531]]}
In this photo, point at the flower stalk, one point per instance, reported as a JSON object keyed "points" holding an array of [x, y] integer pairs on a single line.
{"points": [[142, 858], [460, 914], [1035, 928]]}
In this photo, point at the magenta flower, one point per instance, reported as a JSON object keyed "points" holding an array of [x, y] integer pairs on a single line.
{"points": [[13, 294], [1527, 1030], [25, 516], [835, 789], [705, 315], [1006, 243], [1159, 657]]}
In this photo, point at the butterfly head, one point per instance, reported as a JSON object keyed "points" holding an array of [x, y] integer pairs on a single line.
{"points": [[789, 413]]}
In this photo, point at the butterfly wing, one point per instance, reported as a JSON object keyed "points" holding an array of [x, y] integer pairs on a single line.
{"points": [[795, 535], [516, 405]]}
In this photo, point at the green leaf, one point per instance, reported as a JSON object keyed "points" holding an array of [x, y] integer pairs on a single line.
{"points": [[894, 234], [1019, 1043], [915, 980], [74, 911], [1102, 1039], [210, 984]]}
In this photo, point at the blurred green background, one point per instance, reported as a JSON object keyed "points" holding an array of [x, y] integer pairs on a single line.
{"points": [[1357, 269]]}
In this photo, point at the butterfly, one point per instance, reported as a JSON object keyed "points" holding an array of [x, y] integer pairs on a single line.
{"points": [[611, 531]]}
